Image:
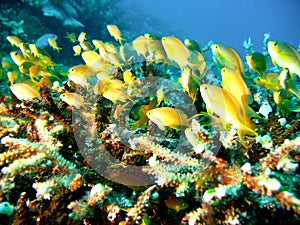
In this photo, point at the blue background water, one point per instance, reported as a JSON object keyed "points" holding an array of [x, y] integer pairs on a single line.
{"points": [[228, 22]]}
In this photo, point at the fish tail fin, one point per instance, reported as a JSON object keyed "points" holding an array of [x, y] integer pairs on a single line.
{"points": [[244, 130]]}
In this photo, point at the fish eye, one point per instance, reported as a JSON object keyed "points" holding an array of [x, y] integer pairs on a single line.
{"points": [[275, 43]]}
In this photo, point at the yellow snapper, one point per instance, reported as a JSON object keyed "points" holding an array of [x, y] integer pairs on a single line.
{"points": [[223, 104], [257, 62], [52, 42], [115, 33], [14, 40], [227, 57], [285, 56], [155, 48], [176, 203], [176, 51], [233, 82], [168, 117], [24, 91], [72, 99], [140, 45]]}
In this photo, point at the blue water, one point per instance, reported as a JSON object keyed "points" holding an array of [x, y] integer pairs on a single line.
{"points": [[229, 22]]}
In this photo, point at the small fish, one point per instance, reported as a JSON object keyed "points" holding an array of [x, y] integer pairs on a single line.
{"points": [[188, 82], [225, 56], [71, 37], [91, 59], [77, 49], [140, 45], [52, 42], [34, 50], [192, 45], [289, 83], [83, 70], [18, 58], [115, 95], [42, 42], [176, 51], [286, 105], [24, 91], [176, 203], [82, 37], [197, 61], [233, 82], [155, 48], [140, 113], [285, 56], [257, 62], [168, 117], [223, 104], [86, 46], [115, 33], [14, 40], [128, 77], [160, 95], [73, 99], [269, 81]]}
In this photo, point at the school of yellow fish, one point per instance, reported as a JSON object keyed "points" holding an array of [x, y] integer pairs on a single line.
{"points": [[31, 67]]}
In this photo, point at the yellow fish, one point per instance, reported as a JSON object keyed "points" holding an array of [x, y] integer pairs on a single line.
{"points": [[18, 58], [86, 46], [115, 33], [270, 81], [82, 37], [168, 117], [140, 45], [141, 114], [223, 104], [91, 59], [227, 57], [72, 99], [77, 49], [189, 84], [285, 56], [192, 44], [14, 40], [233, 82], [198, 61], [115, 95], [82, 70], [34, 50], [155, 48], [176, 203], [257, 62], [52, 42], [289, 83], [176, 51], [24, 91], [128, 77], [71, 37]]}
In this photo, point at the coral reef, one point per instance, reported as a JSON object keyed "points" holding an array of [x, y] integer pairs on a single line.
{"points": [[79, 146]]}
